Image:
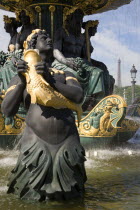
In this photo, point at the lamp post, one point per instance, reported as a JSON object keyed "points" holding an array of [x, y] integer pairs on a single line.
{"points": [[133, 72]]}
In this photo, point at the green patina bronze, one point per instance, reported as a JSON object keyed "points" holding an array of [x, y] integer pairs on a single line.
{"points": [[8, 68], [90, 78], [7, 71]]}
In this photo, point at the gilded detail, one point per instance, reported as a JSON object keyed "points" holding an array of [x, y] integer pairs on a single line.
{"points": [[104, 119], [71, 78], [88, 6], [41, 92], [128, 126], [9, 89], [29, 12], [7, 19], [10, 129]]}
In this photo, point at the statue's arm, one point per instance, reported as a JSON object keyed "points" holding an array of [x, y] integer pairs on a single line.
{"points": [[59, 56], [17, 44], [57, 52], [76, 91], [84, 48], [13, 97], [71, 89]]}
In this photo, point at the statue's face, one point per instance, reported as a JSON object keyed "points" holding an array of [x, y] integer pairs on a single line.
{"points": [[92, 31], [44, 43], [24, 19]]}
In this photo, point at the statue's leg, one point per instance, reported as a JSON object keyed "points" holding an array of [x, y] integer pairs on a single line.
{"points": [[96, 84], [56, 64]]}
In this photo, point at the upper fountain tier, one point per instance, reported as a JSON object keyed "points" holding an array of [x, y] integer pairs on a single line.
{"points": [[88, 6]]}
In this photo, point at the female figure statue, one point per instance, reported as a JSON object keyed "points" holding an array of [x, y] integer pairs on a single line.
{"points": [[51, 160], [26, 17], [11, 25]]}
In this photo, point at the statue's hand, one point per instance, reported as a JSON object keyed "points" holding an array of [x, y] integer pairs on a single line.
{"points": [[21, 67], [14, 61], [41, 67], [71, 63]]}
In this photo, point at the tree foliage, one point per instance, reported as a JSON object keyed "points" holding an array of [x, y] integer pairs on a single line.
{"points": [[128, 92]]}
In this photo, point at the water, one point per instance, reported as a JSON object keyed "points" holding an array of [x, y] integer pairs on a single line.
{"points": [[113, 182]]}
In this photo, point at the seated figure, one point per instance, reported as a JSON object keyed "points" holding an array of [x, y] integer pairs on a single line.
{"points": [[51, 160], [70, 54], [108, 79]]}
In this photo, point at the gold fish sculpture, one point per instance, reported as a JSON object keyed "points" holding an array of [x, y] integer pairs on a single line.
{"points": [[40, 90]]}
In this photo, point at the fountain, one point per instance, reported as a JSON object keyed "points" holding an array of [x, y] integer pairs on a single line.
{"points": [[101, 123], [103, 119]]}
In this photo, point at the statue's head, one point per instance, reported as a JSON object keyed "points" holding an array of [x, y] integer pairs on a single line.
{"points": [[40, 40], [25, 16], [92, 27], [73, 21], [10, 24], [75, 17], [78, 15]]}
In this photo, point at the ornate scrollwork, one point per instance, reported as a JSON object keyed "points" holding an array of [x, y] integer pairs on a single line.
{"points": [[6, 19], [86, 125], [29, 12], [18, 123], [128, 125], [89, 6], [105, 118], [15, 127]]}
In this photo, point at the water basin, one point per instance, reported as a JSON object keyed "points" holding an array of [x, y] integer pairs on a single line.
{"points": [[113, 182]]}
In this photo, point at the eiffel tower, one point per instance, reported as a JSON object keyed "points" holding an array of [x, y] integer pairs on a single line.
{"points": [[119, 82]]}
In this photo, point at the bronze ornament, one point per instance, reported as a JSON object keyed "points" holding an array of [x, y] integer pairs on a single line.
{"points": [[89, 6], [104, 119], [52, 10], [38, 9], [6, 19], [29, 12]]}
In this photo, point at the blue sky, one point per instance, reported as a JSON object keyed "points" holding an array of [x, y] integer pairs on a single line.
{"points": [[118, 36]]}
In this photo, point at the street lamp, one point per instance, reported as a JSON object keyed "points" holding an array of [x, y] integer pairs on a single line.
{"points": [[133, 72]]}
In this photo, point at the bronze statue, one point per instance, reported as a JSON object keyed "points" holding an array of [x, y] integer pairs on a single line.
{"points": [[11, 25], [70, 54], [26, 17], [69, 40], [108, 80], [72, 51], [51, 160]]}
